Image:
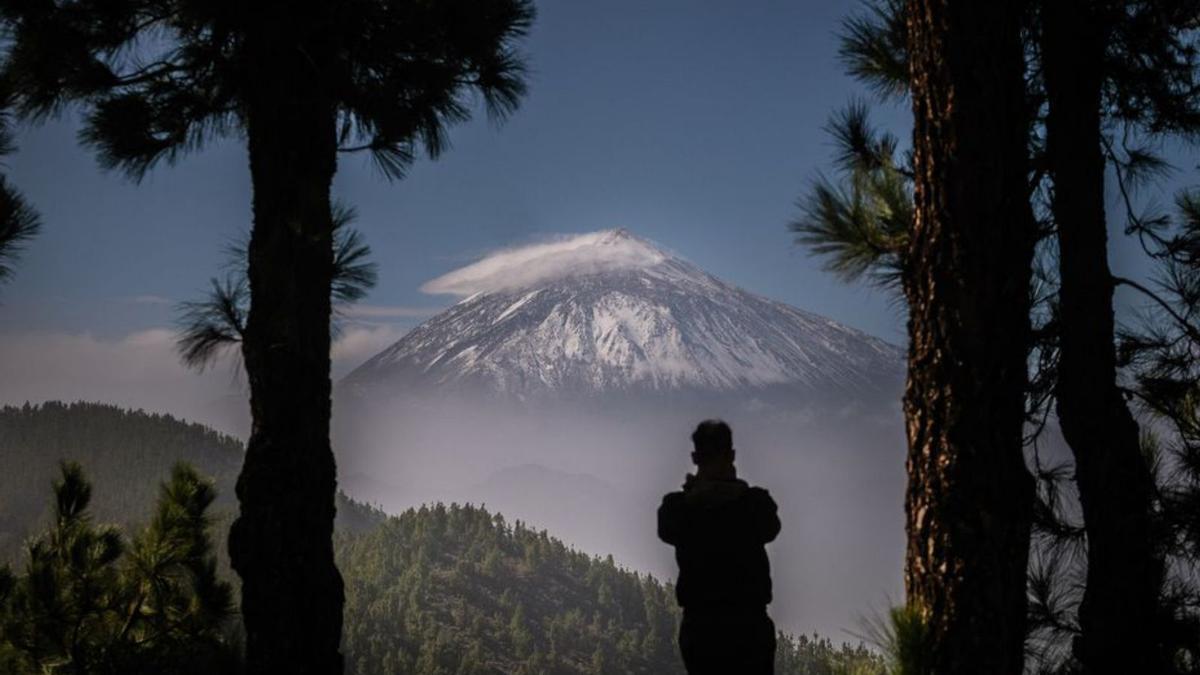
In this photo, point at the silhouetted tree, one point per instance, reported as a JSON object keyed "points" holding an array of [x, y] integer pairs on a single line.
{"points": [[861, 223], [1118, 613], [1162, 353], [300, 82], [89, 603], [211, 326], [967, 273], [1114, 76], [18, 221]]}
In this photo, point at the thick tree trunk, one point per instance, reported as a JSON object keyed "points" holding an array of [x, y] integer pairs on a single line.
{"points": [[281, 543], [1117, 614], [967, 282]]}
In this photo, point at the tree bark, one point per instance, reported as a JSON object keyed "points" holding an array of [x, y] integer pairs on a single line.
{"points": [[1118, 611], [281, 544], [967, 282]]}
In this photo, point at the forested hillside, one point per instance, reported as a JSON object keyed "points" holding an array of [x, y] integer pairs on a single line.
{"points": [[451, 590], [126, 455], [458, 590]]}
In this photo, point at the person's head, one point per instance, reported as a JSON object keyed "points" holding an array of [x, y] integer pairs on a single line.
{"points": [[712, 443]]}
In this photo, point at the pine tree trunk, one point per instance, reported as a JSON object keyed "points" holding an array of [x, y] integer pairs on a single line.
{"points": [[1117, 614], [281, 544], [967, 282]]}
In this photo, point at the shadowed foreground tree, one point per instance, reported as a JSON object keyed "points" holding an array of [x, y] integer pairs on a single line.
{"points": [[1115, 77], [1163, 355], [966, 277], [18, 221], [1119, 620], [217, 323], [300, 82], [89, 602]]}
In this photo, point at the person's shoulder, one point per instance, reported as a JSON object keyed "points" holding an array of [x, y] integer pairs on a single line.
{"points": [[673, 498], [759, 494], [673, 504]]}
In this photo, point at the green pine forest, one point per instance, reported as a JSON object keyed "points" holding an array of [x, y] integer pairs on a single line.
{"points": [[442, 589]]}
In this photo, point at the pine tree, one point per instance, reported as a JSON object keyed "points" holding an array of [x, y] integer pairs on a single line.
{"points": [[1162, 354], [301, 83], [217, 323], [1116, 77], [89, 603], [967, 271], [18, 221], [1118, 614]]}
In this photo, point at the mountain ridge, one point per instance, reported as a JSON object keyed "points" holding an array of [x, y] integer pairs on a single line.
{"points": [[610, 312]]}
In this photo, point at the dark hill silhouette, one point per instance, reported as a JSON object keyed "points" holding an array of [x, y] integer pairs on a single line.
{"points": [[126, 454]]}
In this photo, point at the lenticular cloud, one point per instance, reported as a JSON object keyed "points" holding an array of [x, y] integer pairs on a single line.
{"points": [[528, 266]]}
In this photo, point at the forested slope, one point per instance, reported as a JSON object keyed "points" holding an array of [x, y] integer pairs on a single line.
{"points": [[458, 590], [126, 455]]}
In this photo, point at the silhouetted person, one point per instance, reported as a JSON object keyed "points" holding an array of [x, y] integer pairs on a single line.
{"points": [[719, 526]]}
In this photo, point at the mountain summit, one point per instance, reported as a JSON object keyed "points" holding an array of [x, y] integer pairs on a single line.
{"points": [[611, 312]]}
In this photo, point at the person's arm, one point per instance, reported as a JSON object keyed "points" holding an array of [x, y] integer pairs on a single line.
{"points": [[766, 516], [672, 519]]}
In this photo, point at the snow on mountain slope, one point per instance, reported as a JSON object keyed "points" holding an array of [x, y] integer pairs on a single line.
{"points": [[610, 312]]}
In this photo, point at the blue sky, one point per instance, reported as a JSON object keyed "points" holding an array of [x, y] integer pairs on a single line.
{"points": [[695, 124]]}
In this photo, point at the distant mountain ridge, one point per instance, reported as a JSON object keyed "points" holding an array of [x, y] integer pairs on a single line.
{"points": [[610, 312]]}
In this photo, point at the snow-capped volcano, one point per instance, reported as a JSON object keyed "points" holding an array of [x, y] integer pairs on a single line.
{"points": [[612, 312]]}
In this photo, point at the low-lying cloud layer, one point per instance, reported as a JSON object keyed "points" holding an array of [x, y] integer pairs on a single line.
{"points": [[356, 343], [526, 266], [594, 475], [139, 370], [142, 370]]}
